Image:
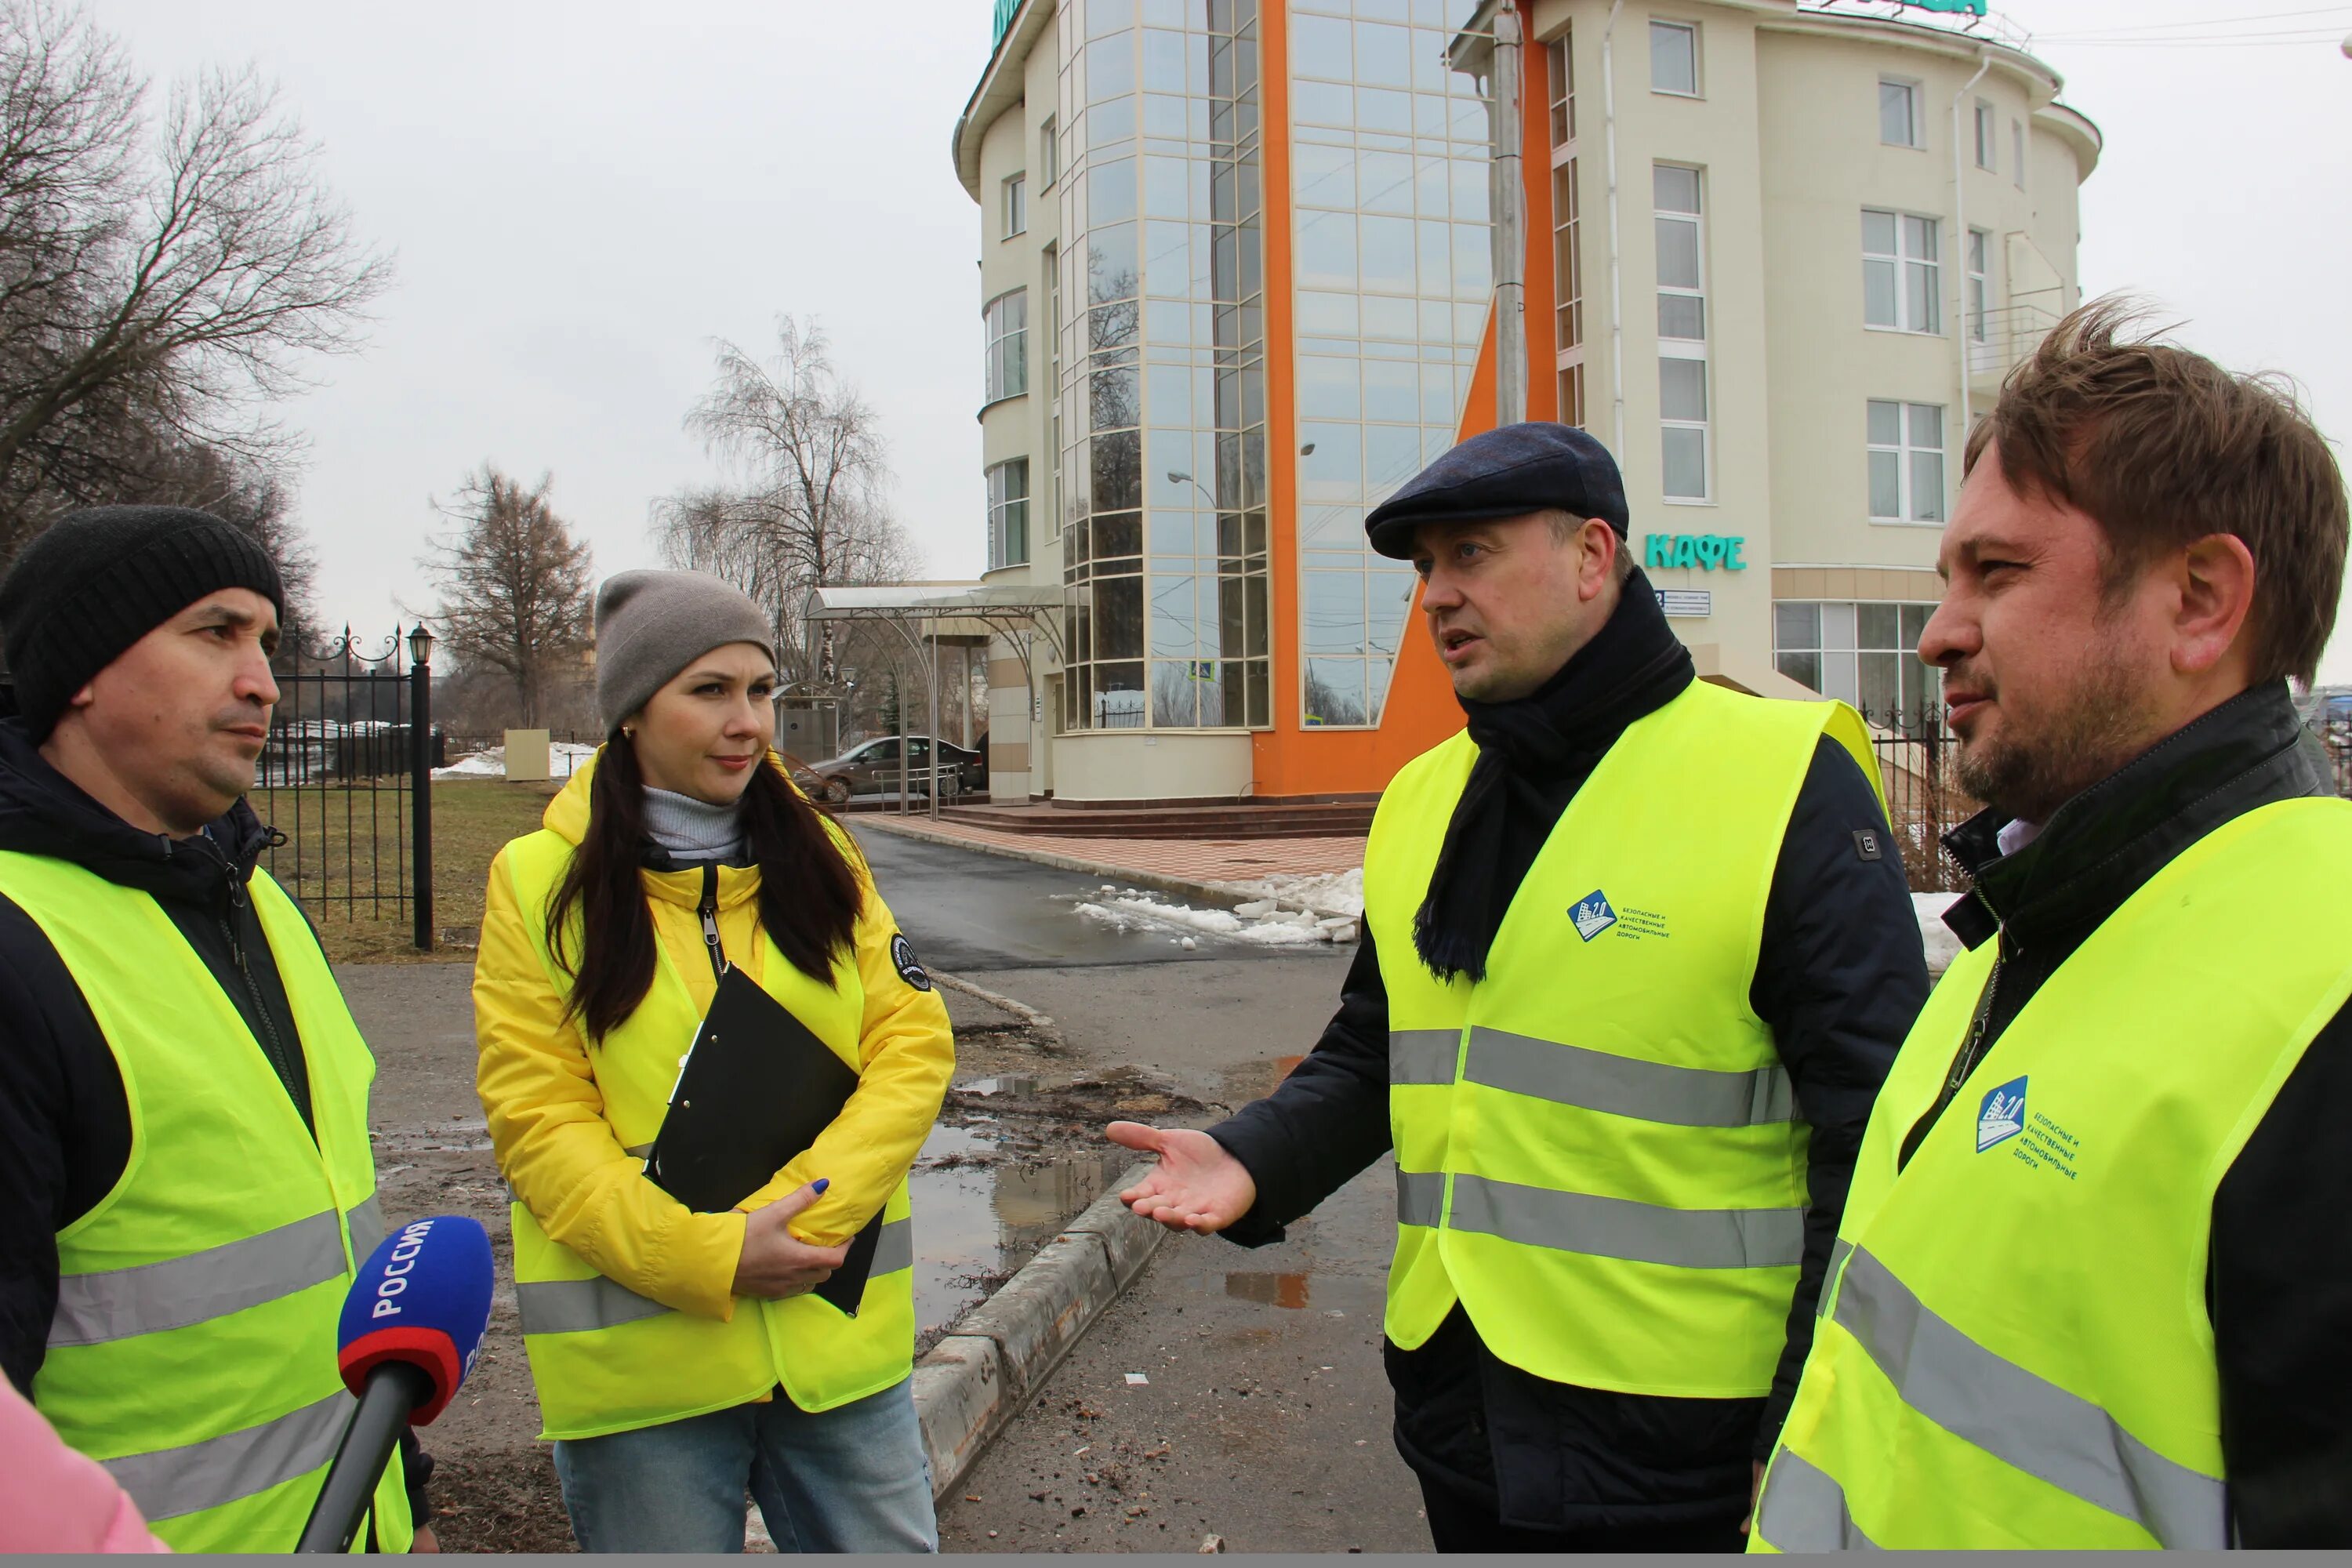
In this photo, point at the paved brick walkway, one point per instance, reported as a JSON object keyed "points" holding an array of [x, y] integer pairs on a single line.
{"points": [[1184, 859]]}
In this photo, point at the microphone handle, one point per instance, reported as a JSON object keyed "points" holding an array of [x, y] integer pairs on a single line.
{"points": [[393, 1391]]}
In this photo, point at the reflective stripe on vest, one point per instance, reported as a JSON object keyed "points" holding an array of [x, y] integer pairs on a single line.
{"points": [[571, 1306], [604, 1358], [1804, 1511], [170, 1483], [1597, 1080], [152, 1296], [192, 1349], [2025, 1419], [1601, 1127], [1618, 1228], [2015, 1351]]}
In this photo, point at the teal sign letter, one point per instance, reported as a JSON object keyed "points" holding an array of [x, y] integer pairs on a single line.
{"points": [[1706, 552]]}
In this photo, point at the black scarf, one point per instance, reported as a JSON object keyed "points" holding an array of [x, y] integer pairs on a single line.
{"points": [[1533, 754]]}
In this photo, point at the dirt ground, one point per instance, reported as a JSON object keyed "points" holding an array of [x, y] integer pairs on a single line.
{"points": [[1017, 1151]]}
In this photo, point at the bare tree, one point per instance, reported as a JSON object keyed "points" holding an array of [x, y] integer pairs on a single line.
{"points": [[160, 280], [515, 584], [805, 505]]}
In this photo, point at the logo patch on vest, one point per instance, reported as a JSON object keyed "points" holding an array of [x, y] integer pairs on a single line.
{"points": [[902, 958], [2001, 1117], [1592, 914]]}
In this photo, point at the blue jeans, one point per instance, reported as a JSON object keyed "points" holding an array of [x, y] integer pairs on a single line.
{"points": [[853, 1479]]}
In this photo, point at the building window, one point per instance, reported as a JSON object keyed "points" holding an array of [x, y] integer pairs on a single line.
{"points": [[1053, 387], [1160, 408], [1979, 276], [1674, 58], [1567, 247], [1016, 206], [1907, 462], [1902, 272], [1898, 113], [1049, 153], [1008, 514], [1682, 332], [1864, 654], [1007, 323], [2017, 152], [1563, 91], [1988, 133], [1391, 163]]}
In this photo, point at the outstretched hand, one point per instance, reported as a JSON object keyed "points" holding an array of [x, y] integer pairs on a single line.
{"points": [[1197, 1185]]}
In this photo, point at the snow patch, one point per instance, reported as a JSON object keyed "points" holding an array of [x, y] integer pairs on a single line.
{"points": [[1325, 892], [563, 756], [1261, 924], [1942, 946]]}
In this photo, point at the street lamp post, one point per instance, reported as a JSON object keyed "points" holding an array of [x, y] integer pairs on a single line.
{"points": [[420, 767]]}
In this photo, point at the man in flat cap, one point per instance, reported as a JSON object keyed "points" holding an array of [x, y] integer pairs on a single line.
{"points": [[1637, 953]]}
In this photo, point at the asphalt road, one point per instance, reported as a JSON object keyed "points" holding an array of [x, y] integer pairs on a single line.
{"points": [[966, 911], [1262, 1416]]}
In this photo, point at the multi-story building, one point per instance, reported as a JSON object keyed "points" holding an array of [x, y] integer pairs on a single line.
{"points": [[1237, 283]]}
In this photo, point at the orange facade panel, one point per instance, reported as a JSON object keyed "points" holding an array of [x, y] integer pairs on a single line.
{"points": [[1292, 759]]}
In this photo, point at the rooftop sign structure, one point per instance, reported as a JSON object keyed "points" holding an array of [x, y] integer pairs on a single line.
{"points": [[1972, 18]]}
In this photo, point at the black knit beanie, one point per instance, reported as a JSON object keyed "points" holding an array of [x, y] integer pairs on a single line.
{"points": [[100, 579]]}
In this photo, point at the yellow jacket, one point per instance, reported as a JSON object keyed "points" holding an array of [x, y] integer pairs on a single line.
{"points": [[546, 1118]]}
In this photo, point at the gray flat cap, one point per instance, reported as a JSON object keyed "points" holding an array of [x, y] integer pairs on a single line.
{"points": [[651, 625]]}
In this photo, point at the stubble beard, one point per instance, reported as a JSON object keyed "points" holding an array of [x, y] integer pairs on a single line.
{"points": [[2029, 777]]}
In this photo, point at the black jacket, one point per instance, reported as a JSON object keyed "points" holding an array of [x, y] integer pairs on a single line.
{"points": [[2279, 1264], [65, 1124], [1839, 979]]}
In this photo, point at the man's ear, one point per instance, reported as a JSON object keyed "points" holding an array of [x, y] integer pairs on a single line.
{"points": [[2215, 578], [84, 698], [1595, 572]]}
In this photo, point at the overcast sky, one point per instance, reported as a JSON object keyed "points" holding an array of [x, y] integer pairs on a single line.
{"points": [[582, 197]]}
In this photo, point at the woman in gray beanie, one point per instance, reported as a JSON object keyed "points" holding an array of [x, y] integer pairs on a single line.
{"points": [[679, 1356]]}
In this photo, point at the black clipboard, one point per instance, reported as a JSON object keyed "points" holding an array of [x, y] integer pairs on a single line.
{"points": [[756, 1089]]}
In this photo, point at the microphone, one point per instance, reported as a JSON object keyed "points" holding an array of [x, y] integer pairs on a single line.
{"points": [[410, 1328]]}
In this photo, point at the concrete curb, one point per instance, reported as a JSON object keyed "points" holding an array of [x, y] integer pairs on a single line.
{"points": [[970, 1384], [1182, 888]]}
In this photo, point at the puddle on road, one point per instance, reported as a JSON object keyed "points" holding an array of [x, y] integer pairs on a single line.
{"points": [[980, 1215], [1296, 1290]]}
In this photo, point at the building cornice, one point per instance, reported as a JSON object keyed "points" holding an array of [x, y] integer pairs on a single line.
{"points": [[2078, 130], [1000, 89]]}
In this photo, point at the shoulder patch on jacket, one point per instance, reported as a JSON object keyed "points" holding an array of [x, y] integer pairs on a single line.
{"points": [[902, 958]]}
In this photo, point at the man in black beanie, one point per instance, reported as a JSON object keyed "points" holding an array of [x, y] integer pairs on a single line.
{"points": [[1636, 955], [186, 1184]]}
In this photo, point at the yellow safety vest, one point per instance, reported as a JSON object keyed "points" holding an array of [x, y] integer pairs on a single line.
{"points": [[2015, 1349], [192, 1348], [605, 1359], [1597, 1150]]}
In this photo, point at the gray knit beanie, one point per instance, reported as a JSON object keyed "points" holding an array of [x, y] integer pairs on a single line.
{"points": [[651, 625]]}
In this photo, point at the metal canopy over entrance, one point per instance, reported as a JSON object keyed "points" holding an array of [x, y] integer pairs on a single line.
{"points": [[959, 614]]}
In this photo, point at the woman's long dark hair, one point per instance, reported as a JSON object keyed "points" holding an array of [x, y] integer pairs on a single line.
{"points": [[809, 900]]}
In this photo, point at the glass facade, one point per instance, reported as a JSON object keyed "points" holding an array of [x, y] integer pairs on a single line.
{"points": [[1866, 655], [1392, 155], [1159, 313]]}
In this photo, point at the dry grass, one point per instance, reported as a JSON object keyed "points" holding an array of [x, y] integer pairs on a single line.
{"points": [[472, 820]]}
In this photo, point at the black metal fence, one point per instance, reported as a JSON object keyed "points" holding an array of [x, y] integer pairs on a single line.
{"points": [[1917, 753], [2337, 736], [345, 780], [1924, 799]]}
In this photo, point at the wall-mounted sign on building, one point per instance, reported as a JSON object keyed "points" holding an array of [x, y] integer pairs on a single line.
{"points": [[1686, 604], [1705, 551]]}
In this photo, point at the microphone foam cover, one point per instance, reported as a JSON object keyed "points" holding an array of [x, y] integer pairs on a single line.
{"points": [[423, 1297]]}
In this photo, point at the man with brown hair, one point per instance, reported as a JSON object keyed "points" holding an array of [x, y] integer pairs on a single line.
{"points": [[2094, 1285]]}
